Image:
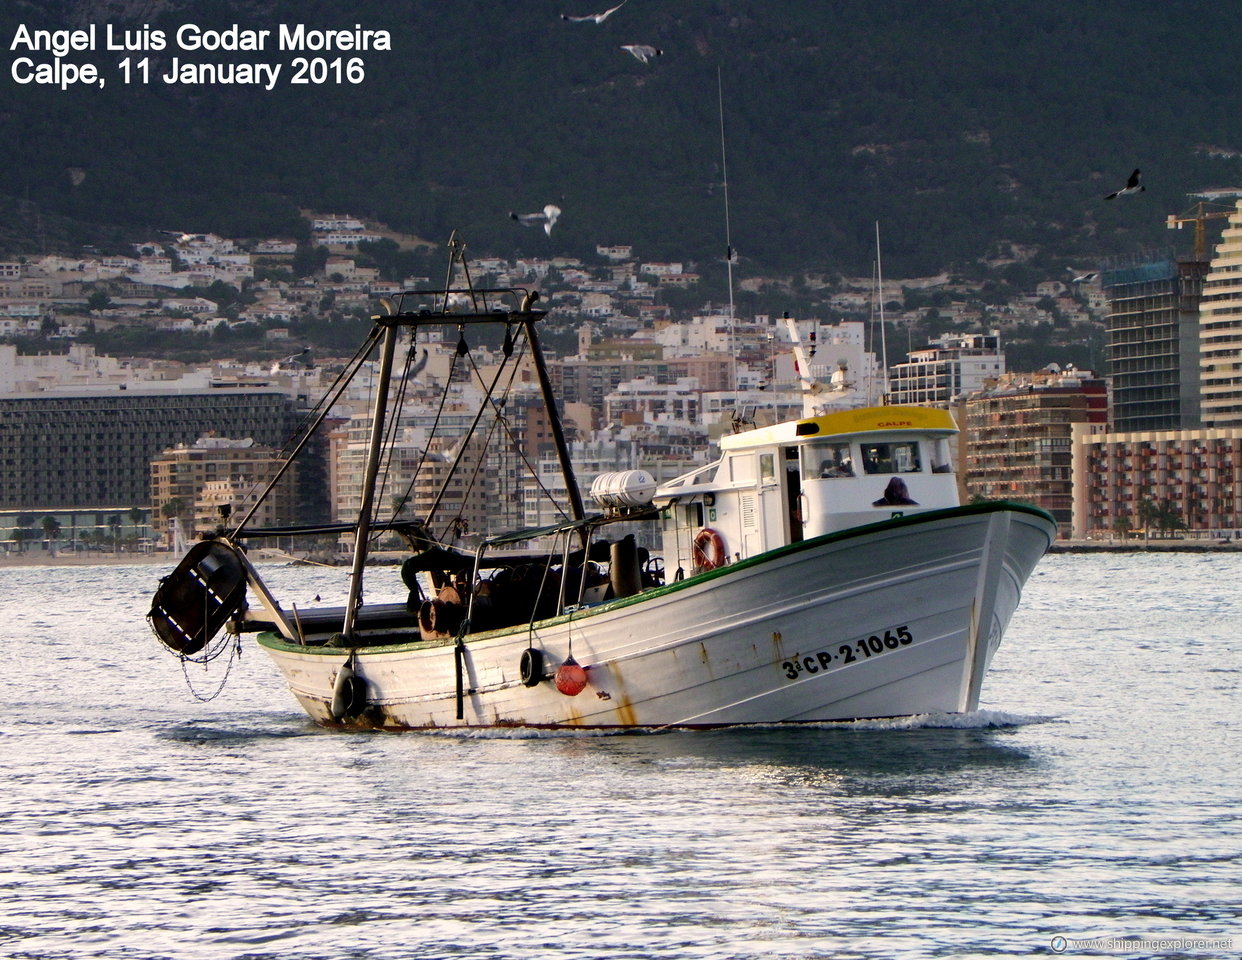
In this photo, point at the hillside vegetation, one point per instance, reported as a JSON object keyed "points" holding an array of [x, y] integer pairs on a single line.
{"points": [[963, 128]]}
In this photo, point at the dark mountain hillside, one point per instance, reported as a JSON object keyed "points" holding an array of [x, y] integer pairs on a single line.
{"points": [[957, 126]]}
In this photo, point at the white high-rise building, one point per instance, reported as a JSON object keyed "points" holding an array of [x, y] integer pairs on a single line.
{"points": [[1220, 330], [953, 366]]}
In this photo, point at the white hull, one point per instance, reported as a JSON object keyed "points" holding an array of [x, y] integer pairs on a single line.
{"points": [[895, 619]]}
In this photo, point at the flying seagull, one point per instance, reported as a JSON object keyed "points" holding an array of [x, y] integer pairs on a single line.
{"points": [[641, 51], [594, 17], [547, 218], [1082, 276], [304, 360], [1132, 186]]}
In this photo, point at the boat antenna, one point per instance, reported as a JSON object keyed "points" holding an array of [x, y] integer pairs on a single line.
{"points": [[879, 284], [871, 367], [729, 253]]}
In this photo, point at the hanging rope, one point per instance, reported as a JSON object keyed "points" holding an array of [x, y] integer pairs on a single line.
{"points": [[462, 350], [514, 444], [465, 440], [543, 582], [435, 427], [390, 445], [459, 522]]}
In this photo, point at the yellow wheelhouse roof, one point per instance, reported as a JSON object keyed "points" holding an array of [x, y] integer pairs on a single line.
{"points": [[846, 422]]}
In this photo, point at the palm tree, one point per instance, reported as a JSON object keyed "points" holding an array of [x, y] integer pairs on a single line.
{"points": [[51, 530], [136, 517], [114, 524], [1169, 518], [24, 531], [1147, 512]]}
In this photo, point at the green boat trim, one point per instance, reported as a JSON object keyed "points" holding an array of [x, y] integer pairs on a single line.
{"points": [[274, 641]]}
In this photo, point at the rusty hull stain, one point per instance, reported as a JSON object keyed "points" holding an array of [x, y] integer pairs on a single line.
{"points": [[624, 708]]}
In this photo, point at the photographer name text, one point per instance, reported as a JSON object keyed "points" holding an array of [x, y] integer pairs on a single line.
{"points": [[62, 58]]}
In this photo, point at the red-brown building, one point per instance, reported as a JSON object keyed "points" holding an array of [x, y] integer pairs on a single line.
{"points": [[1019, 438]]}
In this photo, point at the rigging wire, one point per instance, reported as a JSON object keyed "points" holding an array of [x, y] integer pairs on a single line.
{"points": [[469, 434], [314, 418], [879, 279], [459, 521], [501, 420], [497, 407], [391, 431], [342, 378], [517, 447], [435, 426]]}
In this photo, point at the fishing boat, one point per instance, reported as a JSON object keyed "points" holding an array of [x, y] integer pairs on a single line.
{"points": [[820, 569]]}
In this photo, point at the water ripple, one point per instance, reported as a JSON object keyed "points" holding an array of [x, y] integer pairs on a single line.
{"points": [[1094, 794]]}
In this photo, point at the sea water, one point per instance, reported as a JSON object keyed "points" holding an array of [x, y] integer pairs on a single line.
{"points": [[1090, 807]]}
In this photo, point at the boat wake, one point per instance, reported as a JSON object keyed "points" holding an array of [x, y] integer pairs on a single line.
{"points": [[535, 733], [975, 720]]}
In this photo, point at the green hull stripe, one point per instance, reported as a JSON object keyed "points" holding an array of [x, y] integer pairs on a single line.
{"points": [[274, 641]]}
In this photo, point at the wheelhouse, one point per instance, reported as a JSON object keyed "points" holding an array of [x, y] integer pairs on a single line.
{"points": [[806, 478]]}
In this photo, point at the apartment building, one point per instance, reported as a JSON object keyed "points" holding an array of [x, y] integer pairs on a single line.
{"points": [[1220, 329], [91, 449], [1125, 482], [215, 473], [1151, 320], [1019, 438], [953, 366]]}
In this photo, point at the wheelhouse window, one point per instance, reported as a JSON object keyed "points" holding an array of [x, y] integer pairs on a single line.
{"points": [[902, 457], [827, 458], [941, 459]]}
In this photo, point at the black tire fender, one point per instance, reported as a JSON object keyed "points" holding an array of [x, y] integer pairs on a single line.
{"points": [[349, 694], [531, 666]]}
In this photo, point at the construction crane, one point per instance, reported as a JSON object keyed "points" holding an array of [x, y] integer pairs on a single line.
{"points": [[1199, 215]]}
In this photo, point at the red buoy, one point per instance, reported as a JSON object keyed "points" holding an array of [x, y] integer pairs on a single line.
{"points": [[571, 679]]}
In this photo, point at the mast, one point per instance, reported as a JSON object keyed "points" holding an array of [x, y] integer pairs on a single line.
{"points": [[363, 529], [554, 416], [879, 281], [724, 172]]}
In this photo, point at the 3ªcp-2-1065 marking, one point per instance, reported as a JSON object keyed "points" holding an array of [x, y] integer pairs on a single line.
{"points": [[864, 648]]}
